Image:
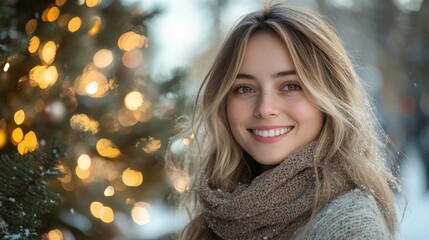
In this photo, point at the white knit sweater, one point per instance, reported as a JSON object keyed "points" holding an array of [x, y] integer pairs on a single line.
{"points": [[352, 215]]}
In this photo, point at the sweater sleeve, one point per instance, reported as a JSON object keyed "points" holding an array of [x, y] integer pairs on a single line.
{"points": [[352, 215]]}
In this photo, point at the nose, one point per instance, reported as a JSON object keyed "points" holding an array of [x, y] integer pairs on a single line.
{"points": [[266, 106]]}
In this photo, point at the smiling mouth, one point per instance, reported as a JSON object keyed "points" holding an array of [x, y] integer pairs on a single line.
{"points": [[272, 132]]}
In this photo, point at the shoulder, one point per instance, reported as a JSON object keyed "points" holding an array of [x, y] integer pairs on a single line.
{"points": [[352, 215]]}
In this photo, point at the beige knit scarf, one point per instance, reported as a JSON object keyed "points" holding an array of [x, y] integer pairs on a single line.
{"points": [[272, 206]]}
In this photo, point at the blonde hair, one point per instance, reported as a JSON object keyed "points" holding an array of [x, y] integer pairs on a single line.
{"points": [[348, 138]]}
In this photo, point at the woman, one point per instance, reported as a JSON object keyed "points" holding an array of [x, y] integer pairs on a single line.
{"points": [[286, 139]]}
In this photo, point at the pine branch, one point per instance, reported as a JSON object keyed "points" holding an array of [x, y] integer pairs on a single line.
{"points": [[24, 194]]}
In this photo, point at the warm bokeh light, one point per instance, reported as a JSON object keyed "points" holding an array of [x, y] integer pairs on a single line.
{"points": [[106, 148], [92, 3], [29, 143], [43, 76], [140, 213], [34, 44], [82, 122], [126, 117], [19, 117], [53, 14], [36, 75], [3, 138], [48, 52], [55, 234], [59, 3], [50, 77], [31, 26], [17, 135], [132, 178], [132, 59], [92, 87], [67, 173], [150, 144], [82, 173], [6, 67], [84, 162], [143, 115], [92, 83], [181, 183], [132, 40], [109, 191], [44, 16], [96, 25], [186, 141], [74, 24], [103, 58], [106, 214], [133, 100], [95, 208]]}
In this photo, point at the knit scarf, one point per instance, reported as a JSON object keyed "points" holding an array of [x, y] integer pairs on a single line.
{"points": [[273, 206]]}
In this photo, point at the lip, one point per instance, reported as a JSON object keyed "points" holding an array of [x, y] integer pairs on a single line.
{"points": [[268, 139]]}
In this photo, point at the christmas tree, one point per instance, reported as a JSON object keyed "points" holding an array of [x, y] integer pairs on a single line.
{"points": [[81, 70]]}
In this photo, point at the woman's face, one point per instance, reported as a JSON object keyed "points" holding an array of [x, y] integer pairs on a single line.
{"points": [[268, 112]]}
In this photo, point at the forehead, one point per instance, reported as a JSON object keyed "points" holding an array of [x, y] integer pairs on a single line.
{"points": [[266, 51]]}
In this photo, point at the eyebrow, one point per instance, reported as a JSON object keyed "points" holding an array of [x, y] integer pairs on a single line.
{"points": [[276, 75]]}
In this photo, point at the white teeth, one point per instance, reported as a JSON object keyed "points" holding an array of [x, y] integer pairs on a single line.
{"points": [[271, 133]]}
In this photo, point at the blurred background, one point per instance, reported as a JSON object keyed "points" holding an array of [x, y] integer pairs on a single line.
{"points": [[110, 77]]}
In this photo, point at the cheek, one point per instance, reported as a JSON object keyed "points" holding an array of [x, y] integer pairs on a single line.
{"points": [[235, 112], [308, 113]]}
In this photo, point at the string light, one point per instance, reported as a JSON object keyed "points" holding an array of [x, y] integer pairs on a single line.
{"points": [[133, 100], [48, 52], [67, 177], [92, 83], [6, 67], [132, 178], [140, 213], [19, 117], [55, 234], [33, 44], [132, 40], [82, 122], [29, 143], [74, 24], [103, 58], [82, 173], [3, 138], [84, 162], [93, 3], [17, 136], [59, 3], [106, 148], [53, 14], [149, 144], [126, 117], [91, 88], [109, 191], [106, 214], [132, 59], [95, 208], [31, 26], [43, 76], [96, 25]]}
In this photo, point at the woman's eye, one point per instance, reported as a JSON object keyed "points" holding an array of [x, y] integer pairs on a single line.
{"points": [[243, 90], [291, 87]]}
